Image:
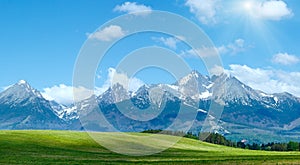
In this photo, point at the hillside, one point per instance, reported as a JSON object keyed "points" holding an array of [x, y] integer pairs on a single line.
{"points": [[66, 147]]}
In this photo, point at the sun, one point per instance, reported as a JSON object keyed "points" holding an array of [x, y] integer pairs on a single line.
{"points": [[248, 5], [249, 8]]}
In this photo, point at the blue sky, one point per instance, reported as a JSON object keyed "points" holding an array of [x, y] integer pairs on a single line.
{"points": [[257, 40]]}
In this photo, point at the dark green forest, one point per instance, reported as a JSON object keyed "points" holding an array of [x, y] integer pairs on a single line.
{"points": [[219, 139]]}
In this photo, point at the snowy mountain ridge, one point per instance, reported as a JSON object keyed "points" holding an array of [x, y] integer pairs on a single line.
{"points": [[20, 105]]}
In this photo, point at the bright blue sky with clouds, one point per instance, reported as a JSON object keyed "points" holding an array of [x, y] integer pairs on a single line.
{"points": [[258, 40]]}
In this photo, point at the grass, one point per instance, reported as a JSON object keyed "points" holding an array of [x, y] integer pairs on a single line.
{"points": [[66, 147]]}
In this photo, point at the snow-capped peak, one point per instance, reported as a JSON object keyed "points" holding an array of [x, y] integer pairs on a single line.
{"points": [[114, 94], [20, 91], [193, 84], [28, 88], [22, 82]]}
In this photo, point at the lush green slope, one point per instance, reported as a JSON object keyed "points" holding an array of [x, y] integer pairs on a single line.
{"points": [[40, 147]]}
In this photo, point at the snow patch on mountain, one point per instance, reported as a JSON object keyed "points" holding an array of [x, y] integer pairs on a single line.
{"points": [[205, 95], [18, 92], [190, 90]]}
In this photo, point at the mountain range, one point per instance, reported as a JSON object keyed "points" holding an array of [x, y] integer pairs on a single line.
{"points": [[194, 99]]}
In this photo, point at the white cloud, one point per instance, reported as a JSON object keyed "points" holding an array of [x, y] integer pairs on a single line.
{"points": [[236, 47], [210, 12], [217, 70], [169, 42], [200, 52], [98, 76], [64, 94], [267, 80], [269, 10], [285, 59], [204, 10], [129, 83], [133, 8], [108, 33]]}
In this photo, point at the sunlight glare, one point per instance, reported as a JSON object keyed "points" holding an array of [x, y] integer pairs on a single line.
{"points": [[248, 5]]}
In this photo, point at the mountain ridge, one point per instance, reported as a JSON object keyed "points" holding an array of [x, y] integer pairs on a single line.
{"points": [[23, 107], [243, 105]]}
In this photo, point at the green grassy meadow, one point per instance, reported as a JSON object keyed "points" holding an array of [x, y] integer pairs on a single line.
{"points": [[67, 147]]}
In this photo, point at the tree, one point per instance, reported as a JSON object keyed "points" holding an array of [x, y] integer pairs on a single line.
{"points": [[255, 146], [279, 147], [241, 145], [293, 146]]}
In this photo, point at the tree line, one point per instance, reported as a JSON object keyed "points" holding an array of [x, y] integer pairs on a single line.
{"points": [[219, 139]]}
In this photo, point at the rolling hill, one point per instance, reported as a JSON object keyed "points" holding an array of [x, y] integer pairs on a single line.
{"points": [[67, 147]]}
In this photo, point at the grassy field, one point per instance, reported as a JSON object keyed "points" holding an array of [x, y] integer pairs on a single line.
{"points": [[66, 147]]}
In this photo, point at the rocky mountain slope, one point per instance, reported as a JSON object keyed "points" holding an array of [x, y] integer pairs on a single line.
{"points": [[192, 99]]}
